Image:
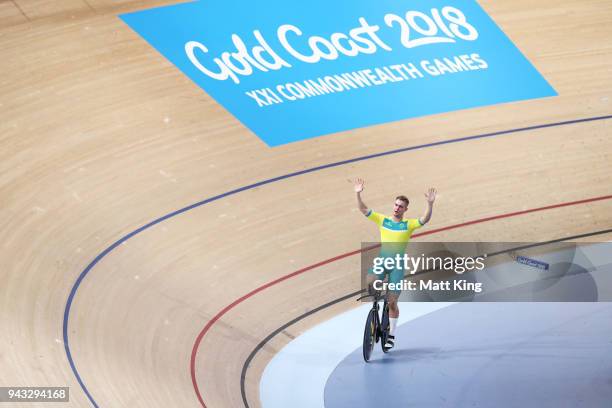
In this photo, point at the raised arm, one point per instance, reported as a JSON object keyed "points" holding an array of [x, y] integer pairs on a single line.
{"points": [[358, 184], [430, 196]]}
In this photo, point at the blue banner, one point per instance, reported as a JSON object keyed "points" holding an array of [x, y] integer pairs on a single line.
{"points": [[291, 71]]}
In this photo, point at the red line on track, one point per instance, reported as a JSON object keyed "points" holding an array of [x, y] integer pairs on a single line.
{"points": [[236, 302]]}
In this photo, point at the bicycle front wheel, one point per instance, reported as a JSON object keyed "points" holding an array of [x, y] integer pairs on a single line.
{"points": [[369, 335]]}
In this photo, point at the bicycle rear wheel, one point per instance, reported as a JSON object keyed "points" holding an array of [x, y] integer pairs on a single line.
{"points": [[384, 327], [369, 335]]}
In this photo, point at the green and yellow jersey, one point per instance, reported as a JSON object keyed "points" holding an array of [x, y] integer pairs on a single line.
{"points": [[394, 236]]}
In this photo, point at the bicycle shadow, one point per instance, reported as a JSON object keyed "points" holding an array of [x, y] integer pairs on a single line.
{"points": [[408, 353]]}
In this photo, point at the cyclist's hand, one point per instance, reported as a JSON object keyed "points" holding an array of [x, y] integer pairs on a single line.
{"points": [[430, 195], [358, 185]]}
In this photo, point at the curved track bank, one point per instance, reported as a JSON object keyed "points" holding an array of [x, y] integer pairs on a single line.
{"points": [[109, 249]]}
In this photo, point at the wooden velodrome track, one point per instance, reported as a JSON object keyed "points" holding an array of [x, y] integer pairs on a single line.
{"points": [[100, 135]]}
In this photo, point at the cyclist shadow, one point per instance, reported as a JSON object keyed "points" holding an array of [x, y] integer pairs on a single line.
{"points": [[410, 353]]}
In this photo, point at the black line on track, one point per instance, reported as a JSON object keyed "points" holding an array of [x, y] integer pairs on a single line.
{"points": [[21, 10]]}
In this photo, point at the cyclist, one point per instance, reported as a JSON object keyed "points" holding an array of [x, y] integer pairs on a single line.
{"points": [[395, 232]]}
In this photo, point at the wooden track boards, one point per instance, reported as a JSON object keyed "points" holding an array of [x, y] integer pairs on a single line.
{"points": [[100, 135]]}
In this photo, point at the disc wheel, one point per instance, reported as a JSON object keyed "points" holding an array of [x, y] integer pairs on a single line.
{"points": [[384, 328], [369, 335]]}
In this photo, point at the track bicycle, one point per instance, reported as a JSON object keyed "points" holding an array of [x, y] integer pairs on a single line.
{"points": [[376, 327]]}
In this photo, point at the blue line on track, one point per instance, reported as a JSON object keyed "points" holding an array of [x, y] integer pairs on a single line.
{"points": [[98, 258]]}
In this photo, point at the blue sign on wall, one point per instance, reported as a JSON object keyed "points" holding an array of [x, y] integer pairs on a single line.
{"points": [[295, 70]]}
